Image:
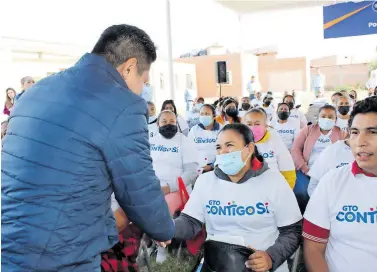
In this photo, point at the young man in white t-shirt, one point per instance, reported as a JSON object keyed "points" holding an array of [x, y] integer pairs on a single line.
{"points": [[340, 226], [257, 101], [334, 156]]}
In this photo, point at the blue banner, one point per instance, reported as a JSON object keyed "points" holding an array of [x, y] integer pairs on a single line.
{"points": [[350, 19]]}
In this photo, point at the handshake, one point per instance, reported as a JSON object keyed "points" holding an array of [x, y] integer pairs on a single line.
{"points": [[163, 244]]}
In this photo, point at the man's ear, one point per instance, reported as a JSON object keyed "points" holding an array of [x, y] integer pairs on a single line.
{"points": [[126, 68]]}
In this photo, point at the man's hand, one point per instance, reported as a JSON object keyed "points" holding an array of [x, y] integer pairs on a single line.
{"points": [[260, 261], [166, 189], [163, 244]]}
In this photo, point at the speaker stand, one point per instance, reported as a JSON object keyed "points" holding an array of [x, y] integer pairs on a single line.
{"points": [[220, 89]]}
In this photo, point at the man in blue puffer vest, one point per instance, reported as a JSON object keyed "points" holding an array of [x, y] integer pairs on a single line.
{"points": [[73, 139]]}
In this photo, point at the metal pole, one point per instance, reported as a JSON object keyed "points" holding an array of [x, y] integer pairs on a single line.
{"points": [[170, 50]]}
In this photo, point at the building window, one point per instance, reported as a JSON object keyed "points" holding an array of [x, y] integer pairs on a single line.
{"points": [[162, 82]]}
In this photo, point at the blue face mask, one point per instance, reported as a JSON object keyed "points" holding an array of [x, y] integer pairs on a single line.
{"points": [[326, 123], [231, 163], [206, 120], [198, 106]]}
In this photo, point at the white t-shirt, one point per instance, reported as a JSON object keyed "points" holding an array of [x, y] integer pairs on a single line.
{"points": [[205, 142], [257, 102], [322, 142], [276, 153], [251, 211], [287, 131], [270, 111], [297, 115], [346, 205], [334, 156], [193, 118], [169, 156], [182, 124], [342, 124], [153, 130]]}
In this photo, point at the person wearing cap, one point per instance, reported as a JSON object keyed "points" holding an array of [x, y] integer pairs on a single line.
{"points": [[26, 83], [268, 108], [340, 220]]}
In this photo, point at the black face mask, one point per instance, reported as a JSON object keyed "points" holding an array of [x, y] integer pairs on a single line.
{"points": [[168, 131], [344, 110], [352, 96], [267, 103], [245, 106], [291, 105], [283, 115], [232, 112]]}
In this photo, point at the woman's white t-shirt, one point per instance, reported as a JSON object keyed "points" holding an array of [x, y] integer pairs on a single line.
{"points": [[322, 142], [182, 124], [169, 156], [275, 153], [205, 142], [152, 130], [342, 124], [193, 118], [287, 131], [334, 156], [270, 111], [251, 211]]}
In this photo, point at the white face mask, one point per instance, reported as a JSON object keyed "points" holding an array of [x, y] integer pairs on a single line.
{"points": [[326, 123], [151, 119]]}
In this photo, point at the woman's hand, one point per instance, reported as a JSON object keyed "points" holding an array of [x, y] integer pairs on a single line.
{"points": [[260, 261], [166, 189]]}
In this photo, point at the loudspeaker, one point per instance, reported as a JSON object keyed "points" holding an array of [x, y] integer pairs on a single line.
{"points": [[221, 72]]}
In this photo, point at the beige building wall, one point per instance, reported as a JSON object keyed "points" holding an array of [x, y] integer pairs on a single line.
{"points": [[279, 75]]}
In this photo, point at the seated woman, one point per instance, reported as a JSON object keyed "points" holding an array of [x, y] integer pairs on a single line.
{"points": [[229, 114], [193, 115], [152, 120], [174, 156], [268, 107], [122, 256], [181, 122], [270, 145], [204, 137], [287, 127], [343, 105], [309, 144], [242, 203]]}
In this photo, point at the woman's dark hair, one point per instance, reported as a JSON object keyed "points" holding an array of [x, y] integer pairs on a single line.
{"points": [[167, 102], [200, 98], [327, 107], [362, 107], [247, 136], [337, 93], [210, 107], [150, 103], [375, 91], [226, 103], [163, 112]]}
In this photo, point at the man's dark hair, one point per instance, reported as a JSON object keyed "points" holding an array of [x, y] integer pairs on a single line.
{"points": [[281, 104], [119, 43], [362, 107], [289, 95], [200, 98], [337, 93]]}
